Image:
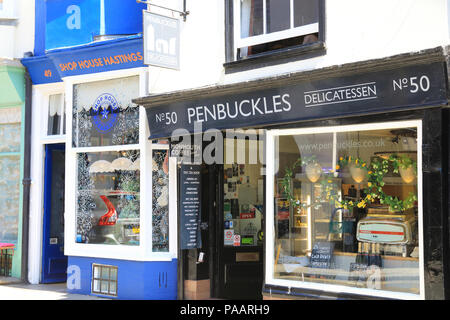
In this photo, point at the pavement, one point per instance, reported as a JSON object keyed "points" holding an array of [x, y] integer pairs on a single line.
{"points": [[14, 289]]}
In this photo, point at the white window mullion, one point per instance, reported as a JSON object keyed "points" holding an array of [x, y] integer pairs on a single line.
{"points": [[264, 16], [237, 23], [291, 13]]}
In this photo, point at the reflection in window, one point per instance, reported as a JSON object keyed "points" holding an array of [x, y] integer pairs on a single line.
{"points": [[160, 194], [108, 198], [346, 209]]}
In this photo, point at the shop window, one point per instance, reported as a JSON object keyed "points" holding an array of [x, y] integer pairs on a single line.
{"points": [[10, 129], [243, 205], [104, 280], [160, 200], [108, 197], [56, 120], [105, 126], [268, 25], [345, 210], [103, 113]]}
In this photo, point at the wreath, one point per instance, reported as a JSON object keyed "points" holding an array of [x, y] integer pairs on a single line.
{"points": [[374, 190]]}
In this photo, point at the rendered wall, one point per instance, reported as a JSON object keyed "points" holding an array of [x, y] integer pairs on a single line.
{"points": [[354, 31]]}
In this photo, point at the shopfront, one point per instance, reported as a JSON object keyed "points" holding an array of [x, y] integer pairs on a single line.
{"points": [[101, 233], [338, 188]]}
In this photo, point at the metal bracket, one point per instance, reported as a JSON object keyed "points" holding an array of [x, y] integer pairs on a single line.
{"points": [[183, 13]]}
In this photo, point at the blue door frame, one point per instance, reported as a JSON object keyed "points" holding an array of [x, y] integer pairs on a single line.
{"points": [[54, 263]]}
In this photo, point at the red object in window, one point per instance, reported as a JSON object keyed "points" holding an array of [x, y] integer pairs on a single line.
{"points": [[110, 217]]}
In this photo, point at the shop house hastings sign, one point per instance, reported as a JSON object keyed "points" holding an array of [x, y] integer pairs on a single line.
{"points": [[394, 89]]}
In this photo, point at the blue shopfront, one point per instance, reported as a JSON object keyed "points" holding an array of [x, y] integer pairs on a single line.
{"points": [[99, 229]]}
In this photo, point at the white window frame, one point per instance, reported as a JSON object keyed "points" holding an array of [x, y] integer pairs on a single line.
{"points": [[53, 138], [143, 251], [268, 37], [271, 135], [39, 138]]}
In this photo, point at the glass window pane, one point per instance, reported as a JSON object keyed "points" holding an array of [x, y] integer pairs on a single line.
{"points": [[278, 15], [243, 193], [96, 286], [160, 194], [112, 288], [104, 287], [251, 18], [103, 113], [354, 224], [108, 197], [305, 12], [55, 114], [97, 272], [57, 195]]}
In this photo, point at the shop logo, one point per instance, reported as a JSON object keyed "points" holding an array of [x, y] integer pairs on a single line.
{"points": [[104, 112]]}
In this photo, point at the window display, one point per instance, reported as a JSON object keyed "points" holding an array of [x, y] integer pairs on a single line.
{"points": [[160, 195], [103, 114], [243, 194], [346, 208], [108, 197]]}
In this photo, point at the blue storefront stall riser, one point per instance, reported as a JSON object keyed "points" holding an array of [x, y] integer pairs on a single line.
{"points": [[136, 280]]}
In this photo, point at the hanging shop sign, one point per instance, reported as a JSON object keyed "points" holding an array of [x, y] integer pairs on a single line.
{"points": [[190, 183], [378, 91], [161, 41]]}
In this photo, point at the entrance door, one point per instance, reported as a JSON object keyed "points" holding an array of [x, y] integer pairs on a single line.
{"points": [[241, 223], [54, 263]]}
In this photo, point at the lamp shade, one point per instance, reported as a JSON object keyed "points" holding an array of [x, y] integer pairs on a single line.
{"points": [[358, 174], [313, 171], [407, 174]]}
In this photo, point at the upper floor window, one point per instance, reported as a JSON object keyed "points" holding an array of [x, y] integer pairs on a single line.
{"points": [[7, 9], [56, 120], [267, 25]]}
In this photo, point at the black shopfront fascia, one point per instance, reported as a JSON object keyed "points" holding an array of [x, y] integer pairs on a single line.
{"points": [[389, 97]]}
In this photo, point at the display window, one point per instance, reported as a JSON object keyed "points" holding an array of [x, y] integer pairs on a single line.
{"points": [[344, 209], [243, 187], [108, 198], [105, 136], [160, 200], [103, 114]]}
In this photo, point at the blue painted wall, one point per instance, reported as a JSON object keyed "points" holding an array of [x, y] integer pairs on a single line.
{"points": [[137, 280], [67, 23]]}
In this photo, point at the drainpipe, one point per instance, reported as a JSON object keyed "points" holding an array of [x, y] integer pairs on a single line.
{"points": [[26, 182]]}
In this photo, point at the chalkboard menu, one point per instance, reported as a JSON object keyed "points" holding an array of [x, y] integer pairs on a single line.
{"points": [[322, 255], [190, 183]]}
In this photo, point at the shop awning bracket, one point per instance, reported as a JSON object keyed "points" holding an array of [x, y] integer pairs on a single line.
{"points": [[183, 13]]}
